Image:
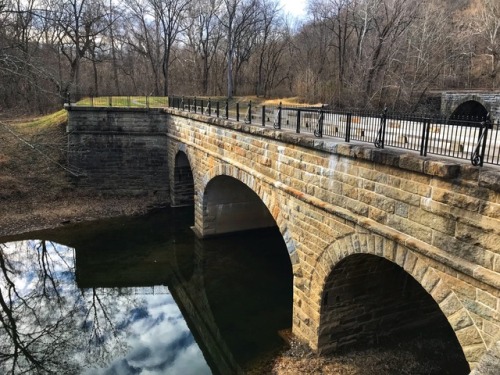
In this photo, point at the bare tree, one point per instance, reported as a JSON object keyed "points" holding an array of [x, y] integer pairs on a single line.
{"points": [[144, 38], [171, 15], [238, 21], [78, 25], [204, 35], [486, 25]]}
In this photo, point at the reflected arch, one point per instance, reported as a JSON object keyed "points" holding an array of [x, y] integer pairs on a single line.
{"points": [[183, 182], [249, 290], [341, 283]]}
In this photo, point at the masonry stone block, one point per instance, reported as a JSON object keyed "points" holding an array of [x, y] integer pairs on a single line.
{"points": [[469, 336]]}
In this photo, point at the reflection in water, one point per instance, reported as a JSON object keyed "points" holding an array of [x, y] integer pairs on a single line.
{"points": [[108, 307], [52, 326]]}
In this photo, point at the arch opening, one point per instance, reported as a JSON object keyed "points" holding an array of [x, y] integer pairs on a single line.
{"points": [[231, 206], [183, 186], [470, 109], [369, 302]]}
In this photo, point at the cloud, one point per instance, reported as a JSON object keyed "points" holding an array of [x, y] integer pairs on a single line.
{"points": [[160, 342]]}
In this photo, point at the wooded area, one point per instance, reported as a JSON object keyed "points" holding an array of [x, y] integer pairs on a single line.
{"points": [[348, 53]]}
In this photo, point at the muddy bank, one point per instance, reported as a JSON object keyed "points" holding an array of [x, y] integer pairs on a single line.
{"points": [[26, 215]]}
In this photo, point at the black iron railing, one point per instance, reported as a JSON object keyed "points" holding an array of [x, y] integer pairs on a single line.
{"points": [[123, 101], [471, 138]]}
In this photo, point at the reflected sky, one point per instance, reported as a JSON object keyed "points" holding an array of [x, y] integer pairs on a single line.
{"points": [[50, 325], [158, 341]]}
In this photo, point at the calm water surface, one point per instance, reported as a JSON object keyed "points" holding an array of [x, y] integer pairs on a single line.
{"points": [[141, 296]]}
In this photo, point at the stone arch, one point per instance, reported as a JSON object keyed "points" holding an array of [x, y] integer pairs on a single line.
{"points": [[265, 195], [183, 182], [180, 194], [467, 333], [470, 106]]}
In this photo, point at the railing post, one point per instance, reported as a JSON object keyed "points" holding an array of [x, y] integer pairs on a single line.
{"points": [[477, 158], [318, 132], [297, 130], [209, 107], [195, 109], [278, 125], [348, 127], [237, 112], [487, 125], [263, 115], [250, 112], [217, 108], [226, 110], [380, 140], [425, 137], [201, 107]]}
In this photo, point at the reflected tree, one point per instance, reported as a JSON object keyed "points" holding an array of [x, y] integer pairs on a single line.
{"points": [[48, 325], [28, 322]]}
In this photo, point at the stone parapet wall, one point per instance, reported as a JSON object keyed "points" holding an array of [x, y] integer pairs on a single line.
{"points": [[119, 151], [439, 219]]}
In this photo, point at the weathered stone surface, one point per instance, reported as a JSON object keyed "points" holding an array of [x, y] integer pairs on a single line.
{"points": [[412, 163], [119, 151], [489, 364], [441, 169], [490, 180]]}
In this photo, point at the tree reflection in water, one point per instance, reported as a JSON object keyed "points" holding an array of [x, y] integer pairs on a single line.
{"points": [[48, 324]]}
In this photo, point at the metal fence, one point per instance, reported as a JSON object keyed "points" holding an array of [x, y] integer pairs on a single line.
{"points": [[470, 138], [124, 101]]}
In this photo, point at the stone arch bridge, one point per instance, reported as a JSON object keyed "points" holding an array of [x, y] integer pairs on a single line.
{"points": [[471, 103], [349, 215]]}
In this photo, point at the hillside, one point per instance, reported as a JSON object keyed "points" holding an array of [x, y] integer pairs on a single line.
{"points": [[35, 187]]}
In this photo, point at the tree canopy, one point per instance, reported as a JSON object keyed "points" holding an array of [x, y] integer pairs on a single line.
{"points": [[364, 53]]}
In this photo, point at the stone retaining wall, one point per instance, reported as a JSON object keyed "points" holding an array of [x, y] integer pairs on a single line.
{"points": [[119, 151]]}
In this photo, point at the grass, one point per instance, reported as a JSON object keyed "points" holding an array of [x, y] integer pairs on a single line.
{"points": [[56, 119], [125, 101], [161, 101]]}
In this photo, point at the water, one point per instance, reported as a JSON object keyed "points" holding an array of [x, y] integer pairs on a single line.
{"points": [[142, 296]]}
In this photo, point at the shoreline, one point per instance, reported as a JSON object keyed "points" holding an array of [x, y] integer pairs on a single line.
{"points": [[20, 216]]}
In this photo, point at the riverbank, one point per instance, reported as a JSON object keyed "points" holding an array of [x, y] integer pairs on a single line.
{"points": [[30, 214]]}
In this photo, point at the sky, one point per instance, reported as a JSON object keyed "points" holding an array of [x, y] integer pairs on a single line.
{"points": [[296, 8]]}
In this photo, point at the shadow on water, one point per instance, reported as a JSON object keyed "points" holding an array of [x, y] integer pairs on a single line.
{"points": [[234, 293]]}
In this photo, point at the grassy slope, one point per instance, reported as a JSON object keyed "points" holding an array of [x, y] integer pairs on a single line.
{"points": [[30, 156]]}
